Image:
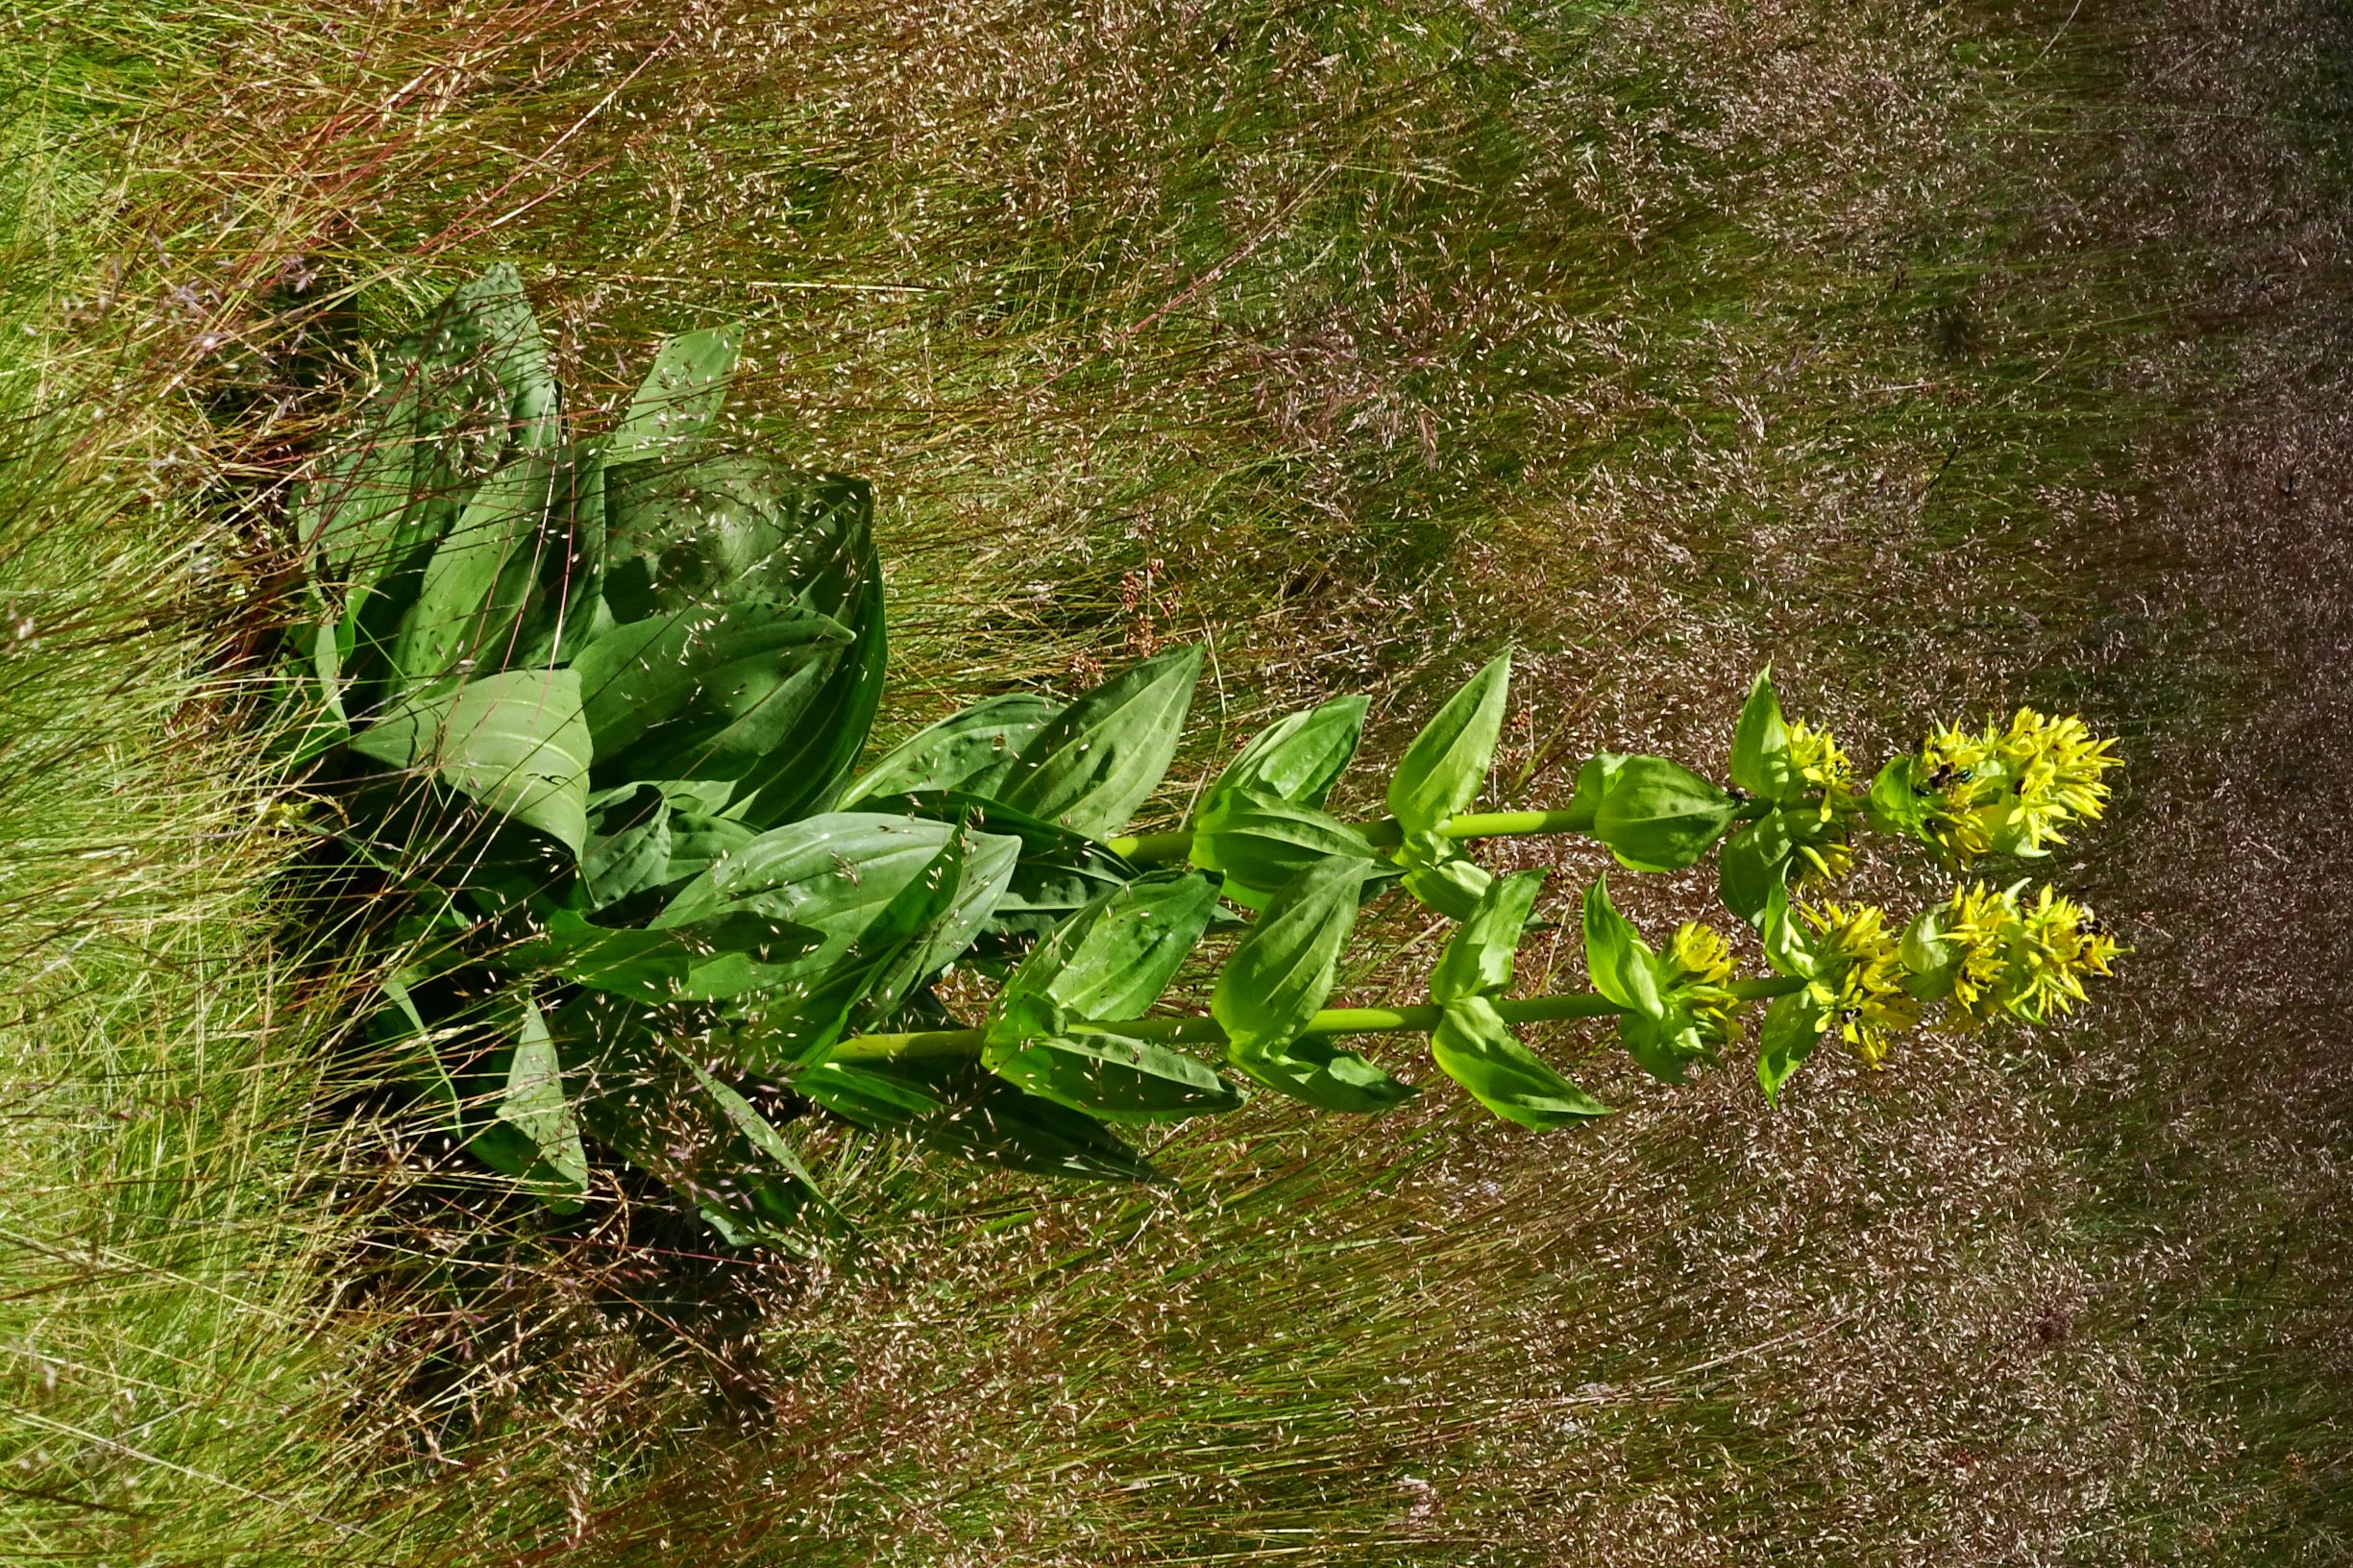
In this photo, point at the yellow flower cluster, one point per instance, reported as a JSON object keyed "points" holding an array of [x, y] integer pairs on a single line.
{"points": [[1862, 986], [1822, 853], [2026, 961], [2012, 788], [1703, 964], [1820, 760]]}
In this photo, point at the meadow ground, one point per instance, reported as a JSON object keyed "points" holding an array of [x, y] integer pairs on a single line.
{"points": [[1947, 357]]}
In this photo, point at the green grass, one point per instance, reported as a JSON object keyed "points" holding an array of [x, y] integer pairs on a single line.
{"points": [[1359, 340]]}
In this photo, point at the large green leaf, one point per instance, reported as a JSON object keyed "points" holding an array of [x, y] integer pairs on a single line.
{"points": [[1113, 959], [803, 771], [515, 741], [1058, 872], [1793, 1026], [681, 397], [686, 536], [1616, 957], [871, 1097], [534, 1135], [1659, 816], [1276, 980], [1753, 862], [1260, 842], [837, 874], [1314, 1071], [1098, 760], [956, 1104], [1762, 761], [1476, 1048], [483, 576], [1477, 959], [628, 851], [715, 960], [704, 696], [1111, 1076], [467, 406], [1298, 758], [1448, 761], [1279, 974], [970, 751]]}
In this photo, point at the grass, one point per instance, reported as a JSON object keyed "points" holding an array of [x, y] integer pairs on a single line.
{"points": [[1875, 339]]}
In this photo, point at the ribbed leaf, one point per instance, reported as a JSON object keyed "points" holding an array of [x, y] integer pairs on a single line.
{"points": [[970, 751], [534, 1135], [704, 696], [1260, 842], [1478, 958], [681, 397], [1112, 1076], [1761, 761], [1753, 863], [1111, 959], [515, 741], [1659, 816], [1298, 758], [1098, 760], [837, 875], [1448, 761], [1616, 957], [1476, 1049]]}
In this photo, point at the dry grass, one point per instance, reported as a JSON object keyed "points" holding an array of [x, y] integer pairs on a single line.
{"points": [[1882, 340]]}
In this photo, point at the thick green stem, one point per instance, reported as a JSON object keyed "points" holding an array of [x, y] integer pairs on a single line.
{"points": [[1421, 1019], [1383, 833]]}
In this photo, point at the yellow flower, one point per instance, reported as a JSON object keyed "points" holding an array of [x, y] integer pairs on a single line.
{"points": [[2060, 941], [1861, 989], [1824, 855], [2012, 787], [1819, 759], [1701, 953], [1978, 922], [1703, 964], [2029, 962]]}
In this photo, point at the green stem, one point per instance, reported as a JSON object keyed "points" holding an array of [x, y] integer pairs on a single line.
{"points": [[1383, 833], [1420, 1019]]}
